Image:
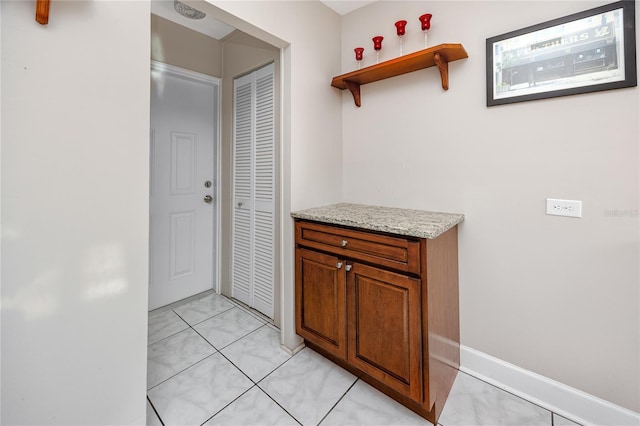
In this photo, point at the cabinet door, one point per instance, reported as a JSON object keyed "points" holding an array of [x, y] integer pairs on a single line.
{"points": [[320, 301], [384, 327]]}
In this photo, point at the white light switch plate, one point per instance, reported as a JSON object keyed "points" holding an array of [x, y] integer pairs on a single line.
{"points": [[571, 208]]}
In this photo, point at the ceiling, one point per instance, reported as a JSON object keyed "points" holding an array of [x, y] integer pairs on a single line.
{"points": [[345, 6], [218, 30], [208, 25]]}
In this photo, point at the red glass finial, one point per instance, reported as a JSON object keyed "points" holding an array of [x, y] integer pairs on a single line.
{"points": [[358, 51], [400, 27], [426, 21], [377, 42]]}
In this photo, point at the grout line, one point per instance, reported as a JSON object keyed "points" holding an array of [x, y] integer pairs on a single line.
{"points": [[249, 309], [246, 335], [154, 410], [177, 305], [181, 371], [215, 348], [277, 403], [230, 402], [166, 337], [286, 361], [239, 369], [205, 339], [232, 342], [255, 384], [206, 319], [338, 401], [266, 375], [181, 302], [209, 343]]}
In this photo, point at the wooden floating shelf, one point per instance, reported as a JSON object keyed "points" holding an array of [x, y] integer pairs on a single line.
{"points": [[439, 56]]}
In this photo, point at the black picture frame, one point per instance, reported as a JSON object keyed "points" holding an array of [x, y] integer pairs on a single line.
{"points": [[584, 52]]}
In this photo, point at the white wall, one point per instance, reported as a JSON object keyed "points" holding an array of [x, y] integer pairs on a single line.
{"points": [[75, 168], [75, 193], [554, 295], [311, 33]]}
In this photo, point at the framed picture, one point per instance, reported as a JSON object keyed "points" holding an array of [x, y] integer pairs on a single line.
{"points": [[584, 52]]}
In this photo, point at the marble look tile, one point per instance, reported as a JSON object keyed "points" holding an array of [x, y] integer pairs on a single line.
{"points": [[562, 421], [364, 405], [204, 308], [474, 402], [228, 327], [196, 394], [258, 353], [164, 325], [254, 408], [152, 418], [173, 354], [307, 386]]}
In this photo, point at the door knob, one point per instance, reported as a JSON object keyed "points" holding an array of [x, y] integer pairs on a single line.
{"points": [[208, 199]]}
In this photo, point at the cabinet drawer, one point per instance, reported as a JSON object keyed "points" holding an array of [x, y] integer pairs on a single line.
{"points": [[393, 252]]}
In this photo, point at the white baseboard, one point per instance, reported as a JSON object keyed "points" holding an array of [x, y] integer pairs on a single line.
{"points": [[559, 398], [293, 351]]}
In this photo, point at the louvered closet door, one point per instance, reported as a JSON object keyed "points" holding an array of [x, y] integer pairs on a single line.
{"points": [[254, 190], [242, 189]]}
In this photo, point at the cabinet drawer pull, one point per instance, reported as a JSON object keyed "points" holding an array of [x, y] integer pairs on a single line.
{"points": [[343, 243], [339, 265], [348, 268]]}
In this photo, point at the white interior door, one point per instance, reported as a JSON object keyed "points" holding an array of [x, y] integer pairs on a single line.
{"points": [[182, 184], [253, 254]]}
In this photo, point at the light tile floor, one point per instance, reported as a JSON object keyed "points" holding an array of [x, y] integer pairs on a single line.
{"points": [[213, 362]]}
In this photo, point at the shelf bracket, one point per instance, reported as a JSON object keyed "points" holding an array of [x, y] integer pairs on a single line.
{"points": [[354, 88], [443, 66]]}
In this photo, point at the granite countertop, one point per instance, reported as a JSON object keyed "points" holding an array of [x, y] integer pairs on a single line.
{"points": [[415, 223]]}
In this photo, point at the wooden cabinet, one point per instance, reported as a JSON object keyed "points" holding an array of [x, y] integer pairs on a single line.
{"points": [[383, 306]]}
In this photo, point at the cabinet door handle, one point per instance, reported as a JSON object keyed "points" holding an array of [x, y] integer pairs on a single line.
{"points": [[343, 243], [348, 268], [339, 265]]}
